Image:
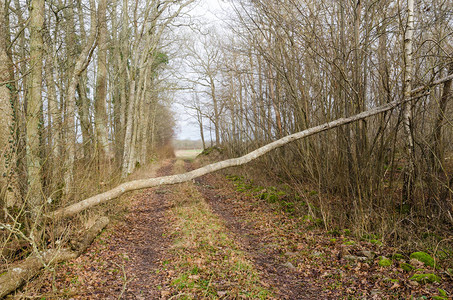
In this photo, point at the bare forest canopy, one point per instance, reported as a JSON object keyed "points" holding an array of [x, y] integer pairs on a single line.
{"points": [[86, 89]]}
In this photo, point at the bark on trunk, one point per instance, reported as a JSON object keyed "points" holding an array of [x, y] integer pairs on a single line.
{"points": [[437, 154], [34, 107], [80, 65], [9, 195], [409, 174], [101, 87]]}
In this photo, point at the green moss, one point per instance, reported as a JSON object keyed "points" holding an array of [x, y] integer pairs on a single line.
{"points": [[272, 198], [350, 243], [307, 218], [333, 240], [406, 267], [384, 261], [442, 293], [347, 232], [397, 256], [424, 258], [368, 237], [376, 242], [425, 278]]}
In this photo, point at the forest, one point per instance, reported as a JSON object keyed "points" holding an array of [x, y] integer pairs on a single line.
{"points": [[325, 170]]}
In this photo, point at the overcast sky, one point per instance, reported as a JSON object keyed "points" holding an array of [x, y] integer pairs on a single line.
{"points": [[209, 12]]}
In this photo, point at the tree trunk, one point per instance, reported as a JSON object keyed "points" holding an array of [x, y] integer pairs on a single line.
{"points": [[9, 195], [53, 110], [437, 154], [101, 87], [409, 174], [81, 63], [34, 103], [128, 134]]}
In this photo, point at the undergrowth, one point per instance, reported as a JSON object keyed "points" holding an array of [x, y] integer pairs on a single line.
{"points": [[303, 203]]}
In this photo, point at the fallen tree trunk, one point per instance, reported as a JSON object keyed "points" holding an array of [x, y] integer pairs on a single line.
{"points": [[30, 267], [173, 179]]}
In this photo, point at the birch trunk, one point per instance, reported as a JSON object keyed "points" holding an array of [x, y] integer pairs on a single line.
{"points": [[407, 108]]}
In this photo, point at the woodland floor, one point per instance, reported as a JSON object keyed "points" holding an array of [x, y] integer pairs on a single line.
{"points": [[206, 239]]}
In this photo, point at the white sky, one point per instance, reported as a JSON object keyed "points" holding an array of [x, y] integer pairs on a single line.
{"points": [[209, 12]]}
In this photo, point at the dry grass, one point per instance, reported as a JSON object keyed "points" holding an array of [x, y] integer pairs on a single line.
{"points": [[211, 264], [187, 154]]}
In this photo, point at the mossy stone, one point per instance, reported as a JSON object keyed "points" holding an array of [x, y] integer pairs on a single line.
{"points": [[384, 261], [424, 258], [425, 278], [406, 267]]}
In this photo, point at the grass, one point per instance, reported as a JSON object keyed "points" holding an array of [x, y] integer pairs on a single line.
{"points": [[210, 264], [188, 154]]}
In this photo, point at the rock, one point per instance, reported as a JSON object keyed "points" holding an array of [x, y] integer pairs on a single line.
{"points": [[289, 265]]}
